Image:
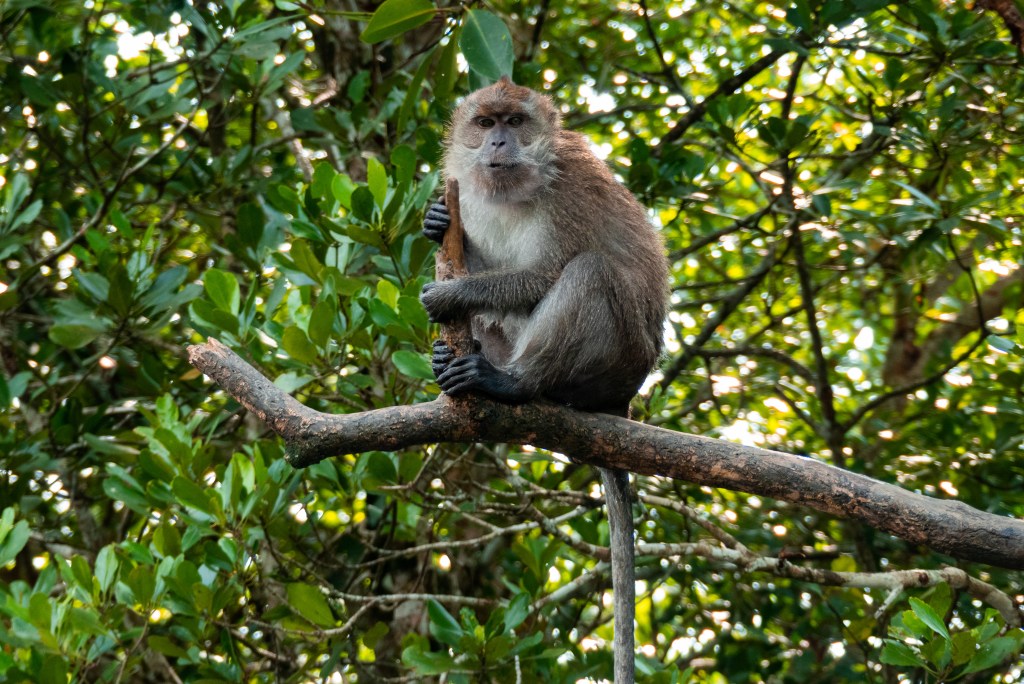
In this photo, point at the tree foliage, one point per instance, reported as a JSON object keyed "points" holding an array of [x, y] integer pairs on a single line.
{"points": [[838, 183]]}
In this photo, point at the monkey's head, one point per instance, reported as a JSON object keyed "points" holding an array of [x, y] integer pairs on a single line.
{"points": [[501, 140]]}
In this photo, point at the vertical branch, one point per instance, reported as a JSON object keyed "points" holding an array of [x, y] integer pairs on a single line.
{"points": [[451, 263]]}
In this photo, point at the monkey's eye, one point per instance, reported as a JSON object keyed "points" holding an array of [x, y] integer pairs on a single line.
{"points": [[515, 121], [485, 122]]}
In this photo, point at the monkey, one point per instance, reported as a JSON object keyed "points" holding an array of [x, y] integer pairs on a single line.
{"points": [[566, 288]]}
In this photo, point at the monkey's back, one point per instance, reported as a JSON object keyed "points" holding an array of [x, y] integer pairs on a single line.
{"points": [[585, 193]]}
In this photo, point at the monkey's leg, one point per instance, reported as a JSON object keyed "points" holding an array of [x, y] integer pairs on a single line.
{"points": [[571, 348], [620, 523]]}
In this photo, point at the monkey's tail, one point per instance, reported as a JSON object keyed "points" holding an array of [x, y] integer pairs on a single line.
{"points": [[620, 523]]}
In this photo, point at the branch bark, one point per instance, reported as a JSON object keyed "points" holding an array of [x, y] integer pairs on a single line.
{"points": [[450, 263], [948, 526]]}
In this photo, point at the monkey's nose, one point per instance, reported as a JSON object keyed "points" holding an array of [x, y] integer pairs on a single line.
{"points": [[498, 143]]}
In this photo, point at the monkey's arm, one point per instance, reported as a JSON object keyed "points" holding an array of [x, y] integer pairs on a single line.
{"points": [[502, 291]]}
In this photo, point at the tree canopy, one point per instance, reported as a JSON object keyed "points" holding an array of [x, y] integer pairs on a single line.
{"points": [[839, 187]]}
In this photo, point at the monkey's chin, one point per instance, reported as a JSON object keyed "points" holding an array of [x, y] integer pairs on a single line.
{"points": [[508, 182]]}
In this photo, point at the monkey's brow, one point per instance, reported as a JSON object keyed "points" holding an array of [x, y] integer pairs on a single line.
{"points": [[497, 110]]}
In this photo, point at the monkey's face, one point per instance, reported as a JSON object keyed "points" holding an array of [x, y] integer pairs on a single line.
{"points": [[501, 141]]}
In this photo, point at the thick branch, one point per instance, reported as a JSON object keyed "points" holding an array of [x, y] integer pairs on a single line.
{"points": [[947, 526]]}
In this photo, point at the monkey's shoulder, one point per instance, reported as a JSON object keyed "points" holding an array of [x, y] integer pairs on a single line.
{"points": [[587, 193], [574, 151]]}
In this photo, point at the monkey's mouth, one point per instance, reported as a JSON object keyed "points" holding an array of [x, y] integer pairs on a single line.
{"points": [[502, 166]]}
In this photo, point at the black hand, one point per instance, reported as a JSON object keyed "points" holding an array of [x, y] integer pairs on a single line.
{"points": [[436, 302], [437, 220]]}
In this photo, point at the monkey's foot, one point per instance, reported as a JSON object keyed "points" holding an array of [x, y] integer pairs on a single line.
{"points": [[474, 373], [443, 355], [437, 221]]}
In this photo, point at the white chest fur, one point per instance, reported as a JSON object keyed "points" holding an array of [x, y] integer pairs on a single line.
{"points": [[504, 236]]}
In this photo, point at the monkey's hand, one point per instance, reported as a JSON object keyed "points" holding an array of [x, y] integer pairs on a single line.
{"points": [[437, 220], [439, 299], [474, 373]]}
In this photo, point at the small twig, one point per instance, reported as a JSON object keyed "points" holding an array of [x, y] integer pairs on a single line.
{"points": [[893, 579]]}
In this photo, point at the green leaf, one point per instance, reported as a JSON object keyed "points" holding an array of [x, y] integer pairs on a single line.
{"points": [[76, 335], [191, 495], [14, 541], [412, 312], [526, 643], [298, 346], [498, 648], [388, 293], [1002, 344], [167, 540], [395, 17], [342, 188], [106, 566], [919, 196], [54, 670], [162, 644], [122, 290], [323, 177], [426, 662], [321, 322], [939, 652], [799, 15], [487, 45], [310, 603], [377, 181], [965, 645], [87, 621], [928, 616], [363, 202], [896, 653], [940, 599], [380, 466], [82, 573], [142, 582], [403, 158], [517, 611], [443, 625], [992, 653], [305, 260], [222, 288], [203, 312], [357, 87], [412, 364]]}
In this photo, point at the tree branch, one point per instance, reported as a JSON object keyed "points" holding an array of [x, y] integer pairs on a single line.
{"points": [[897, 580], [947, 526]]}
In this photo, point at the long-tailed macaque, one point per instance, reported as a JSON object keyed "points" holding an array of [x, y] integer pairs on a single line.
{"points": [[566, 288]]}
